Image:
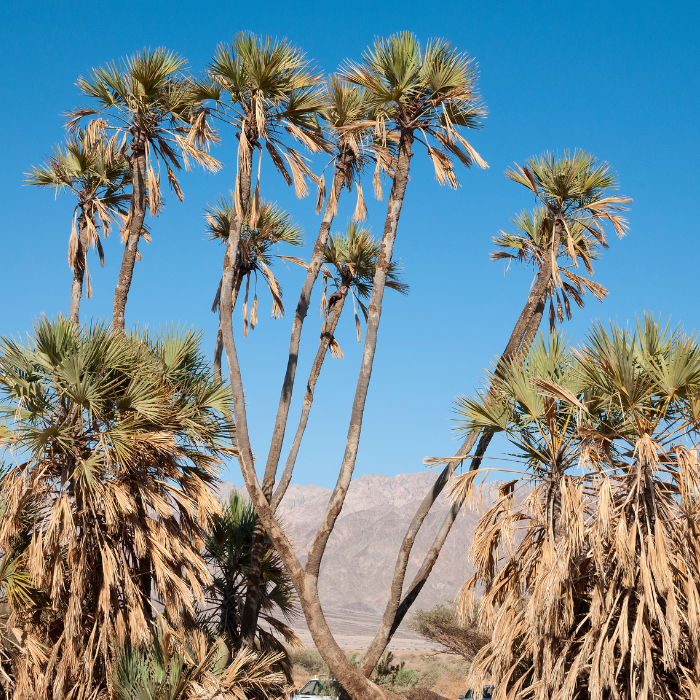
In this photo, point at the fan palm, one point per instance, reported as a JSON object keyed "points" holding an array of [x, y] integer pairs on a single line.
{"points": [[349, 141], [150, 102], [267, 91], [227, 551], [349, 266], [96, 173], [599, 596], [273, 226], [121, 437], [575, 202], [189, 666]]}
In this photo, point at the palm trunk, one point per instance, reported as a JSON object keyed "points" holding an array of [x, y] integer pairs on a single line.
{"points": [[347, 675], [398, 190], [251, 608], [78, 272], [138, 214], [398, 605], [326, 338], [302, 309], [219, 347]]}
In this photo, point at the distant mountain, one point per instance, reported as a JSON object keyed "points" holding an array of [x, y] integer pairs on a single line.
{"points": [[358, 566]]}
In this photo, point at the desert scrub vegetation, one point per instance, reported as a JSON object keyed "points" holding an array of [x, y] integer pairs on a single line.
{"points": [[398, 671], [455, 631]]}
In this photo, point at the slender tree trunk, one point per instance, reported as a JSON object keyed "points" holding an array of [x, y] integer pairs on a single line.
{"points": [[138, 214], [78, 272], [348, 676], [251, 608], [399, 604], [398, 190], [326, 338], [302, 309], [219, 347]]}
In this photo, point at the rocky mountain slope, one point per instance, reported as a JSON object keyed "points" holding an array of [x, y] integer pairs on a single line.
{"points": [[359, 562]]}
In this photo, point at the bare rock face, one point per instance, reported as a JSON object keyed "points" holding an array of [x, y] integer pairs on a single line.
{"points": [[359, 562]]}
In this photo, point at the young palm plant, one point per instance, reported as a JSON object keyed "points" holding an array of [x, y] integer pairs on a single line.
{"points": [[154, 108], [96, 173], [349, 266], [599, 595], [228, 548], [190, 666], [254, 258], [121, 437]]}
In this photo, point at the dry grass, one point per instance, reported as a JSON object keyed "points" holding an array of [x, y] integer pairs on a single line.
{"points": [[440, 673]]}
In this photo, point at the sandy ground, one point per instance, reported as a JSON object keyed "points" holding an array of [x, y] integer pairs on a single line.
{"points": [[355, 630]]}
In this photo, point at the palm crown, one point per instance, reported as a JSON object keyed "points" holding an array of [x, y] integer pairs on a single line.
{"points": [[96, 172], [350, 262], [273, 226], [577, 245], [152, 101], [431, 91], [268, 91]]}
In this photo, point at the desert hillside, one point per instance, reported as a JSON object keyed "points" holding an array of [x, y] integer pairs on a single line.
{"points": [[359, 562]]}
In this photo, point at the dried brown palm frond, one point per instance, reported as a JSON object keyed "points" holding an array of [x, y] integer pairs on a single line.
{"points": [[591, 581], [120, 439]]}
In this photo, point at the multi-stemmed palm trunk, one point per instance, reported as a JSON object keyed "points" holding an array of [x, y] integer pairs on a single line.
{"points": [[354, 260], [583, 206], [345, 113], [453, 91]]}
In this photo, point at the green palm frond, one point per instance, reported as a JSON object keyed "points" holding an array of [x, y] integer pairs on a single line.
{"points": [[426, 93]]}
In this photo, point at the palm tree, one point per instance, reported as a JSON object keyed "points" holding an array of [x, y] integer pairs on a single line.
{"points": [[190, 666], [575, 202], [273, 226], [349, 141], [121, 437], [424, 95], [267, 91], [349, 266], [600, 593], [152, 104], [228, 547], [96, 173]]}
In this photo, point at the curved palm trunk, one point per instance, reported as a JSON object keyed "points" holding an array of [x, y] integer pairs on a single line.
{"points": [[326, 338], [219, 346], [398, 605], [138, 214], [251, 608], [78, 273], [348, 676]]}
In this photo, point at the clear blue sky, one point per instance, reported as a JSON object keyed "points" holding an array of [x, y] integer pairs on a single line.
{"points": [[619, 79]]}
